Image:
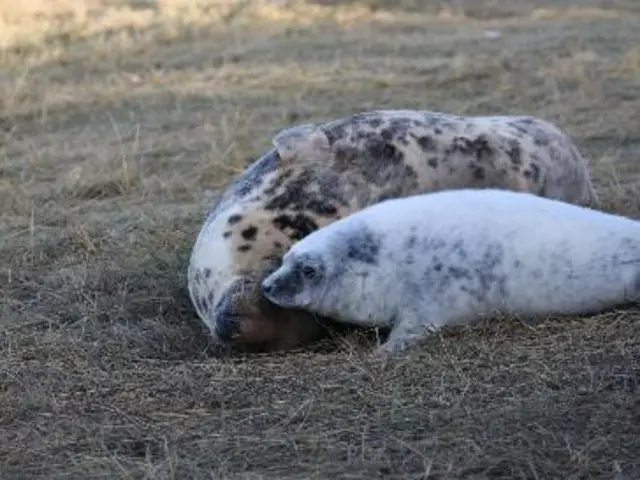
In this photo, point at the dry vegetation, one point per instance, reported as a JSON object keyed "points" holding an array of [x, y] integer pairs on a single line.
{"points": [[118, 122]]}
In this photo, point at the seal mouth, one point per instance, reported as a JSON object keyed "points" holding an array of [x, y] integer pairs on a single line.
{"points": [[271, 293], [280, 288]]}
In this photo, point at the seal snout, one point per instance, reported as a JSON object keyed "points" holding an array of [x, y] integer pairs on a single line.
{"points": [[227, 323], [271, 288], [227, 327], [280, 288]]}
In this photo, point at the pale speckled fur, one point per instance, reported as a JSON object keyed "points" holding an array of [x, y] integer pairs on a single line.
{"points": [[348, 165], [451, 258]]}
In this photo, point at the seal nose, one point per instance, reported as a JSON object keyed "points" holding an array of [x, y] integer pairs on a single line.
{"points": [[268, 288], [227, 327]]}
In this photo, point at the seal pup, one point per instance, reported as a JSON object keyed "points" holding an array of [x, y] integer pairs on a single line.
{"points": [[421, 263], [318, 173]]}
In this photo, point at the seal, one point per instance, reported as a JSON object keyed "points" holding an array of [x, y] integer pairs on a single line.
{"points": [[316, 174], [425, 262]]}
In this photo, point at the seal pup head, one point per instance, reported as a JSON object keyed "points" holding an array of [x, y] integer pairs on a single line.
{"points": [[315, 272], [273, 204]]}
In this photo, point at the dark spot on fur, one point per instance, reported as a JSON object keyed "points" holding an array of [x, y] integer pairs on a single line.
{"points": [[323, 208], [250, 233], [278, 181], [453, 266], [226, 234], [300, 225], [210, 297], [481, 147], [244, 248], [514, 151], [207, 272], [233, 219], [433, 162], [389, 151], [277, 244], [533, 173], [334, 133], [363, 246], [399, 126], [410, 247], [459, 273], [411, 242], [386, 135], [379, 163], [478, 147], [437, 131], [361, 136], [478, 171], [541, 139], [372, 146], [297, 194], [427, 144], [381, 150]]}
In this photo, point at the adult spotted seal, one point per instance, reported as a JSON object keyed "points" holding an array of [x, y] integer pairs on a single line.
{"points": [[319, 173], [421, 263]]}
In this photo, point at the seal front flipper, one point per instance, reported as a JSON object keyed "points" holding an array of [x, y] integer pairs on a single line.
{"points": [[407, 331]]}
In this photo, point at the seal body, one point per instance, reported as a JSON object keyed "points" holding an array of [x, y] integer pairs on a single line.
{"points": [[421, 263], [316, 174]]}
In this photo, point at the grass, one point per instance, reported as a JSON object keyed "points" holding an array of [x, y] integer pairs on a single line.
{"points": [[118, 123]]}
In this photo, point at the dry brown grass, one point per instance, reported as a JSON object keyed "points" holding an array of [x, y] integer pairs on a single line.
{"points": [[118, 121]]}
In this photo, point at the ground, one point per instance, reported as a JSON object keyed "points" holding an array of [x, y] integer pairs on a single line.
{"points": [[118, 123]]}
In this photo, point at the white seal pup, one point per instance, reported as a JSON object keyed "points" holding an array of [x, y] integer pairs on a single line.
{"points": [[421, 263], [318, 173]]}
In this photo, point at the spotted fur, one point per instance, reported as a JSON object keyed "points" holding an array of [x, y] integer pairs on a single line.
{"points": [[316, 174], [453, 257]]}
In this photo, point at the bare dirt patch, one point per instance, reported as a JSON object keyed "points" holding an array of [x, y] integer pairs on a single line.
{"points": [[118, 122]]}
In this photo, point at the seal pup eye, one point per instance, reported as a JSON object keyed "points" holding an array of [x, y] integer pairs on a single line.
{"points": [[308, 272]]}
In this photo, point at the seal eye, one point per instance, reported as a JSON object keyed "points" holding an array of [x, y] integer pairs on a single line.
{"points": [[308, 272]]}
